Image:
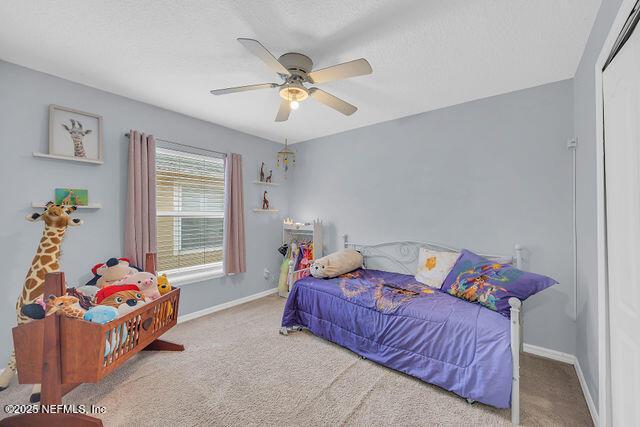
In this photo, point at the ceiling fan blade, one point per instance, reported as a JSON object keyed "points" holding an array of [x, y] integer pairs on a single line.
{"points": [[332, 101], [261, 52], [359, 67], [283, 112], [243, 88]]}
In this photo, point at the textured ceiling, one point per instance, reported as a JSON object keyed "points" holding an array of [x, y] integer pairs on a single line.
{"points": [[425, 54]]}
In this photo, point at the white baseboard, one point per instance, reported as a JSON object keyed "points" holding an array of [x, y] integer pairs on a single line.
{"points": [[225, 305], [549, 354], [593, 409], [572, 360]]}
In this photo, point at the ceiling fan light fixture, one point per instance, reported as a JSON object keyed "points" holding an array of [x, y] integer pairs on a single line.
{"points": [[294, 91]]}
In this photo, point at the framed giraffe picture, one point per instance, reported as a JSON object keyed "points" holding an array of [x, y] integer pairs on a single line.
{"points": [[75, 134]]}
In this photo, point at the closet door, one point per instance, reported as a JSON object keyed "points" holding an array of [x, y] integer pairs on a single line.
{"points": [[622, 183]]}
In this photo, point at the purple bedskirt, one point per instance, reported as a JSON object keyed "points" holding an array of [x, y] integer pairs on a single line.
{"points": [[393, 320]]}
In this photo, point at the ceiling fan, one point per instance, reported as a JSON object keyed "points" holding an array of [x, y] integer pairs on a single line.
{"points": [[295, 69]]}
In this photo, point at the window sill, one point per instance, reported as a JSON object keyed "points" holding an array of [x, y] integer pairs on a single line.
{"points": [[190, 277]]}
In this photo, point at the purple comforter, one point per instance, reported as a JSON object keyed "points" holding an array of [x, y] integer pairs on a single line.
{"points": [[393, 320]]}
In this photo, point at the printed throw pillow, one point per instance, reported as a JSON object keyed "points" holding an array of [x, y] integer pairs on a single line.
{"points": [[433, 266], [476, 279]]}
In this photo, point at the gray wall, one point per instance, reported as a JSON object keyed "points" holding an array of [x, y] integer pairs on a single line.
{"points": [[585, 131], [24, 98], [483, 175]]}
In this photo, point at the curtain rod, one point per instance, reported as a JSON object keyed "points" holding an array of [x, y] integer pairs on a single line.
{"points": [[186, 145]]}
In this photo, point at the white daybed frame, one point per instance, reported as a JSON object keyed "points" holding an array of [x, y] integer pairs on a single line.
{"points": [[402, 257]]}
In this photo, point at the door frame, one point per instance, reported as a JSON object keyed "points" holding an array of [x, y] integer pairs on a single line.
{"points": [[604, 373]]}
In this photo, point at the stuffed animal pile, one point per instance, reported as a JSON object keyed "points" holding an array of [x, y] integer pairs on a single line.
{"points": [[116, 290]]}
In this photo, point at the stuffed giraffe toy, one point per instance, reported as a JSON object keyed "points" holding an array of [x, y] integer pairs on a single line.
{"points": [[66, 305], [56, 220]]}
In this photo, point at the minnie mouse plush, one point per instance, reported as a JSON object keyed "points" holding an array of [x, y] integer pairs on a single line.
{"points": [[111, 272]]}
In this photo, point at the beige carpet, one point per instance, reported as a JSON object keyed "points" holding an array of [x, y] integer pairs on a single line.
{"points": [[237, 370]]}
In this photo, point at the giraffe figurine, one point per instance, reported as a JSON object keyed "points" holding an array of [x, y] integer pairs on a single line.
{"points": [[77, 134], [56, 220]]}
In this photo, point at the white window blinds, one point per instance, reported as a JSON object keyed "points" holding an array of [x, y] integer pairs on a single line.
{"points": [[190, 206]]}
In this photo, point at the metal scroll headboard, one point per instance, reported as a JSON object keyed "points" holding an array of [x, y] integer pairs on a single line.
{"points": [[402, 256]]}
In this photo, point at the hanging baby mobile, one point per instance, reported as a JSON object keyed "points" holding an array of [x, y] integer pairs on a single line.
{"points": [[286, 157]]}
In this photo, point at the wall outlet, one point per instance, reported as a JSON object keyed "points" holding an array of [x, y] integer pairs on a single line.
{"points": [[266, 274]]}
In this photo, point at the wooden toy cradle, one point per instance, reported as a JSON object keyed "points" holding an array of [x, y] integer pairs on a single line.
{"points": [[61, 353]]}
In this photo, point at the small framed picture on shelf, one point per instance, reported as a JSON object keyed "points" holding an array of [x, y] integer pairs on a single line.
{"points": [[71, 196], [74, 133]]}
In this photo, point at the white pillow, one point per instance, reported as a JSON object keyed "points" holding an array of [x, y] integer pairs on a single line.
{"points": [[434, 266]]}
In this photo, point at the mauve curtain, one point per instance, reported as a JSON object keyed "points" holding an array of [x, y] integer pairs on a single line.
{"points": [[140, 230], [234, 249]]}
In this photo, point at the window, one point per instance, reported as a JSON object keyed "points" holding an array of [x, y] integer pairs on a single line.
{"points": [[190, 214]]}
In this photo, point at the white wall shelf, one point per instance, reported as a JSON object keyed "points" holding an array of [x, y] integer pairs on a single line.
{"points": [[266, 210], [68, 158], [89, 206], [273, 184], [299, 227]]}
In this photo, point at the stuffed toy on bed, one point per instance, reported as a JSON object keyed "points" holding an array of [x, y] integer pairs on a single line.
{"points": [[337, 263]]}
